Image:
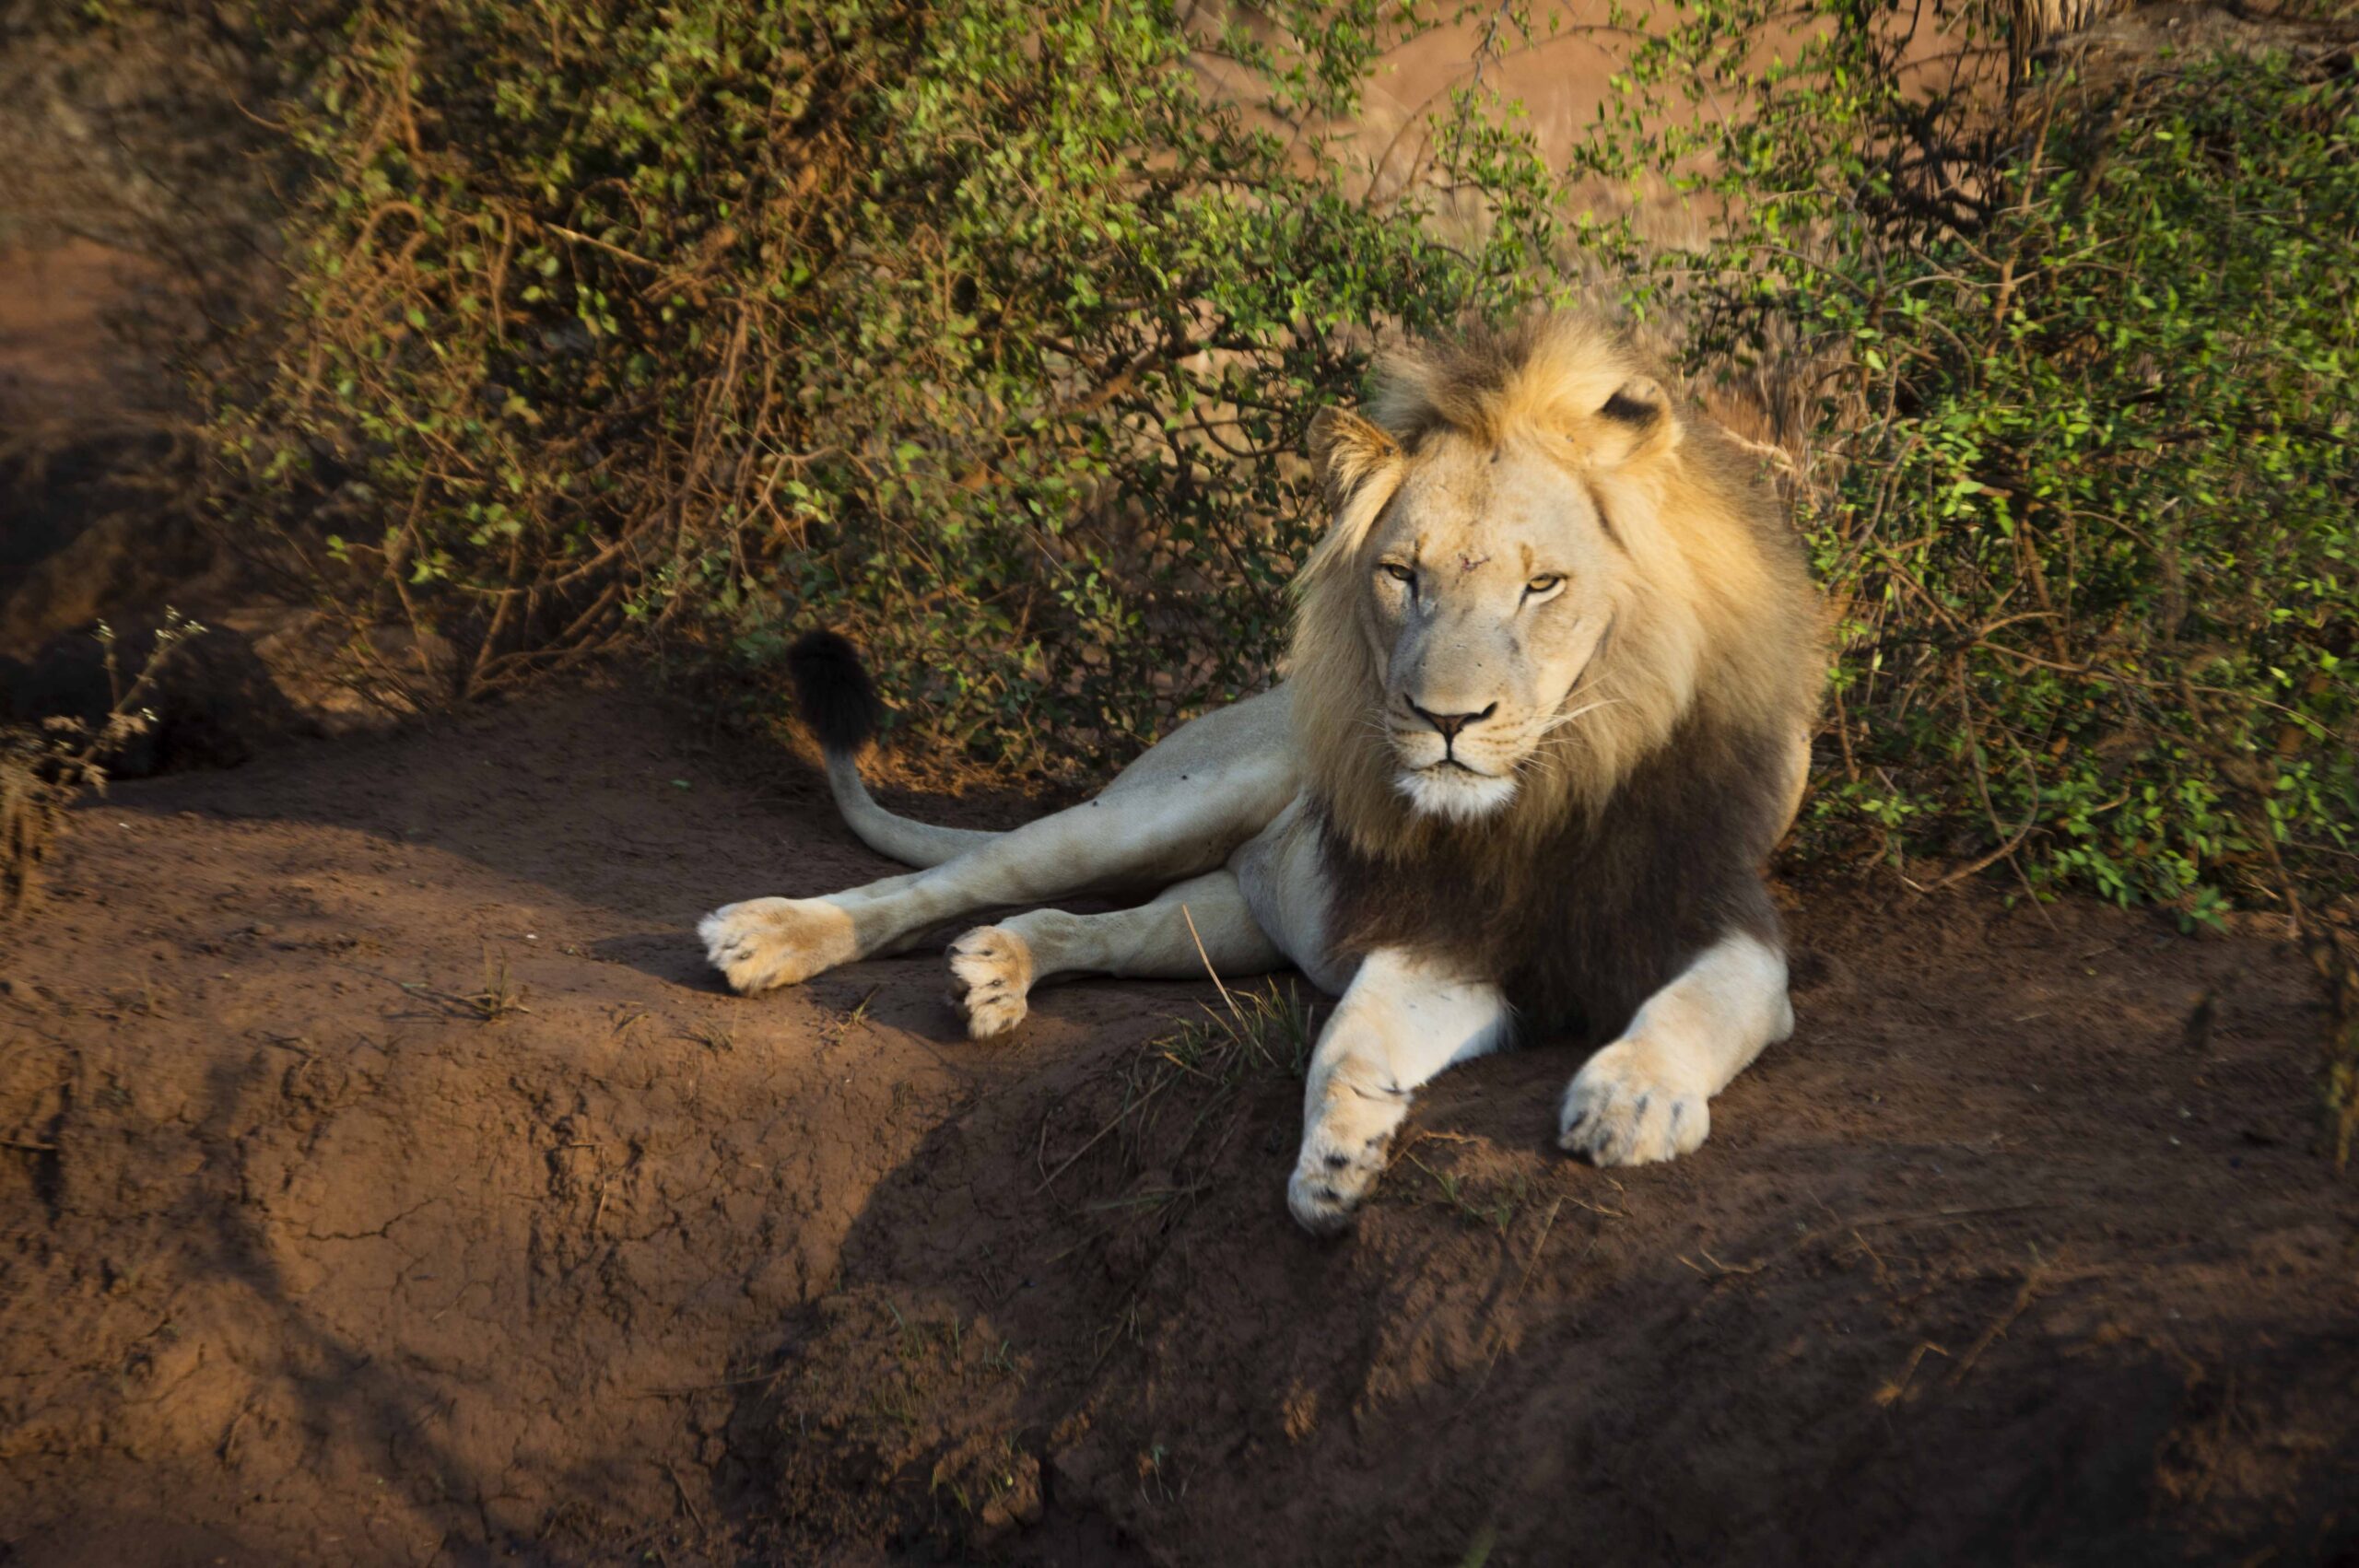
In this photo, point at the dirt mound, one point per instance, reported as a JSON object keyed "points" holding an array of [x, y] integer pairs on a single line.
{"points": [[383, 1181]]}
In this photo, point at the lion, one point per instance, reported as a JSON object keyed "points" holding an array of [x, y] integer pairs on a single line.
{"points": [[1555, 666]]}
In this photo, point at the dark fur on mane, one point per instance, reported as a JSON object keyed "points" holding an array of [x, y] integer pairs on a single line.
{"points": [[1610, 911]]}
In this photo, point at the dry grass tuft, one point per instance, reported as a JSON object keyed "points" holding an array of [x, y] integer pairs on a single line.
{"points": [[501, 995], [45, 767]]}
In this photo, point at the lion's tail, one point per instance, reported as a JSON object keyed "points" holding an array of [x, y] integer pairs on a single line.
{"points": [[838, 702]]}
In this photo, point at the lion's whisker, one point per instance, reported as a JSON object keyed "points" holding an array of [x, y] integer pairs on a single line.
{"points": [[1564, 720]]}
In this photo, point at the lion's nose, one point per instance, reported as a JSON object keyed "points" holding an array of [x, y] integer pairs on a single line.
{"points": [[1450, 724]]}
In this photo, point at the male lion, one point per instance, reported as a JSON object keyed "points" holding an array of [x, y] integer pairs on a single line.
{"points": [[1553, 674]]}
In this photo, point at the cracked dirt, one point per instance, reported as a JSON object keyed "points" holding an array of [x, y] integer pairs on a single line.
{"points": [[384, 1181]]}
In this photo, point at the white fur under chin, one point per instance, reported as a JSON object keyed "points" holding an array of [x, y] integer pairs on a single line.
{"points": [[1455, 793]]}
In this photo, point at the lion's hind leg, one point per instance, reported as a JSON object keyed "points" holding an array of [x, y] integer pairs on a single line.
{"points": [[1647, 1097], [759, 944], [1152, 828], [1202, 922]]}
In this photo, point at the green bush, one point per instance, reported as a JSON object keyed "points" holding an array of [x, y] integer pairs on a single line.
{"points": [[2081, 480], [988, 334], [2096, 533], [982, 331]]}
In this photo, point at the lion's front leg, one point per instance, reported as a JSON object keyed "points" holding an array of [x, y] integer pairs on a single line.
{"points": [[1647, 1097], [1403, 1019]]}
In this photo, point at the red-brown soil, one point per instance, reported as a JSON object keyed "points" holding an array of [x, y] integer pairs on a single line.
{"points": [[2017, 1253]]}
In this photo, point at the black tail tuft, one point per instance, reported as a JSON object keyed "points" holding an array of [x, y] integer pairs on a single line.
{"points": [[831, 687]]}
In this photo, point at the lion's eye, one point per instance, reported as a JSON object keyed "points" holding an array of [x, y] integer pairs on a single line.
{"points": [[1546, 583], [1397, 572]]}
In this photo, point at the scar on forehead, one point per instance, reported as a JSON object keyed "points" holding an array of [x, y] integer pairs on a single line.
{"points": [[1468, 563]]}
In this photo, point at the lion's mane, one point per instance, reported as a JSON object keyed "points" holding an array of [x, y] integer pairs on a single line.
{"points": [[1639, 835]]}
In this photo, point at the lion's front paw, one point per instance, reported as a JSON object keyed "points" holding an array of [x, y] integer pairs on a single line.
{"points": [[1624, 1109], [765, 943], [1329, 1186], [1345, 1150], [990, 974]]}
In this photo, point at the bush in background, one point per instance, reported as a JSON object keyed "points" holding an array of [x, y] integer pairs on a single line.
{"points": [[984, 332], [2076, 430], [988, 334], [2097, 531]]}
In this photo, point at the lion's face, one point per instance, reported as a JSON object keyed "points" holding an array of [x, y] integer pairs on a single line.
{"points": [[1491, 583], [1529, 576]]}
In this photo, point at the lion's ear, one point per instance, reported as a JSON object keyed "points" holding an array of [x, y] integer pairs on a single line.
{"points": [[1360, 466], [1347, 451], [1636, 422]]}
